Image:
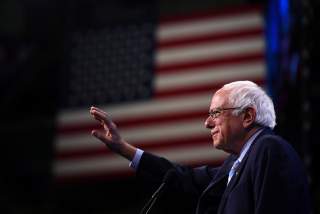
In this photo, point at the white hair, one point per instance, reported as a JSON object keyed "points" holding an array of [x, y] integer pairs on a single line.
{"points": [[245, 94]]}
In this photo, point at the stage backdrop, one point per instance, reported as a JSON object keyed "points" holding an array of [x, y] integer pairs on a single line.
{"points": [[156, 82]]}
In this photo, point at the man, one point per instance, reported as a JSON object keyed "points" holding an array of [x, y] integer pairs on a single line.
{"points": [[263, 173]]}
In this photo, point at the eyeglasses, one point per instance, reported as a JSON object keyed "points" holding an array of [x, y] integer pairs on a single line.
{"points": [[216, 113]]}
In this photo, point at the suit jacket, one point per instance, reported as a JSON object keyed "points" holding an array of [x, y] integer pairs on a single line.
{"points": [[270, 179]]}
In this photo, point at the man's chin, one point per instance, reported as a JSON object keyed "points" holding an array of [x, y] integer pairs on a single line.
{"points": [[217, 145]]}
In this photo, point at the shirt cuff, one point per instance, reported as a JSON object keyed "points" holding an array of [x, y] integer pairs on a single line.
{"points": [[136, 159]]}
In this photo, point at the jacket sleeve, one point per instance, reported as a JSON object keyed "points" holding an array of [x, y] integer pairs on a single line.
{"points": [[188, 180], [280, 184]]}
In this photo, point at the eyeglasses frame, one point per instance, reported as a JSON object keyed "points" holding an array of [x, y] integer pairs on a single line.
{"points": [[216, 113]]}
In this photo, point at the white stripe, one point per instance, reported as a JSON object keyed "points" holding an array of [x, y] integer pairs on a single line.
{"points": [[214, 25], [209, 75], [139, 109], [150, 133], [115, 163], [209, 50]]}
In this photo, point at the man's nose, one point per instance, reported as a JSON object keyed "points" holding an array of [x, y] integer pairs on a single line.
{"points": [[209, 123]]}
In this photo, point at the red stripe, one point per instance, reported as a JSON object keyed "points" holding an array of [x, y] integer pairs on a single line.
{"points": [[90, 177], [190, 90], [145, 145], [218, 13], [229, 60], [116, 175], [162, 117], [201, 88], [167, 43]]}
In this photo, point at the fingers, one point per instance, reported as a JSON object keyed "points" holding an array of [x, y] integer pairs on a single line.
{"points": [[99, 115], [97, 109], [94, 110], [104, 119]]}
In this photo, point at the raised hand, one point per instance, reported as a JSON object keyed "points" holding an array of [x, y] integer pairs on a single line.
{"points": [[109, 134]]}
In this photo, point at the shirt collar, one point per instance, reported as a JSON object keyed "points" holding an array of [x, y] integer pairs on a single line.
{"points": [[247, 145]]}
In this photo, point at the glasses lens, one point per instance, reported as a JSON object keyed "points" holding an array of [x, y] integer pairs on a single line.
{"points": [[214, 114]]}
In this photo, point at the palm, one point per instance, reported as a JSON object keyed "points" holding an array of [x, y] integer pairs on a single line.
{"points": [[109, 135]]}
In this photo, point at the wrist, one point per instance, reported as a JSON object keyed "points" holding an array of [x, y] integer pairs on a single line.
{"points": [[127, 150]]}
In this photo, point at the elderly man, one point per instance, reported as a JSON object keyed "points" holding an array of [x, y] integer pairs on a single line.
{"points": [[263, 173]]}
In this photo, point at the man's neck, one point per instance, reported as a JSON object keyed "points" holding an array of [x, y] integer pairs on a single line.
{"points": [[247, 136]]}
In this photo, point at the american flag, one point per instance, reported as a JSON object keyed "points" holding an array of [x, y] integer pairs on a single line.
{"points": [[194, 55]]}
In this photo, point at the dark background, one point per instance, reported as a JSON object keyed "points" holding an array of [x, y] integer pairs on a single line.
{"points": [[33, 44]]}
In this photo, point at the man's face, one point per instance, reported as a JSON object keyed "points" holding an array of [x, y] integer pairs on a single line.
{"points": [[227, 130]]}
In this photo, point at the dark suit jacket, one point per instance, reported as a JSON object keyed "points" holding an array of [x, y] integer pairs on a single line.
{"points": [[270, 179]]}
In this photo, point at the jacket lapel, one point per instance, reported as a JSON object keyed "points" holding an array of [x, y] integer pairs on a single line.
{"points": [[217, 185], [241, 166], [223, 172], [234, 180], [231, 184]]}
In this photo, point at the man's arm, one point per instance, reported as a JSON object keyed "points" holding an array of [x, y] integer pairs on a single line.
{"points": [[110, 136], [150, 166]]}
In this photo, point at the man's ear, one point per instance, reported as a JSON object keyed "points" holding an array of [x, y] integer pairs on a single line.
{"points": [[249, 116]]}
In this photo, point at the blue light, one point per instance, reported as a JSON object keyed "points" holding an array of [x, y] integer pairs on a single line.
{"points": [[273, 29], [285, 14], [273, 44], [278, 28]]}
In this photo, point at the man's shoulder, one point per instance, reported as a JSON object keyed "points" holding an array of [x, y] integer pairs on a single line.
{"points": [[271, 141], [273, 146]]}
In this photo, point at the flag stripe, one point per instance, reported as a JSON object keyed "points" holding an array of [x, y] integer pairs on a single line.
{"points": [[255, 31], [210, 50], [170, 31], [216, 13], [201, 88], [209, 75], [102, 150], [217, 61]]}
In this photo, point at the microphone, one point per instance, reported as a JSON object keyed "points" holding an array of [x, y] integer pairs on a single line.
{"points": [[167, 179]]}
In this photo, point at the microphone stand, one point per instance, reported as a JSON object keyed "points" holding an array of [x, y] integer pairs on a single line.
{"points": [[152, 200], [170, 174]]}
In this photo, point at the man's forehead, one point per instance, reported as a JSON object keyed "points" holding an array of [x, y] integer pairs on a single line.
{"points": [[218, 99]]}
